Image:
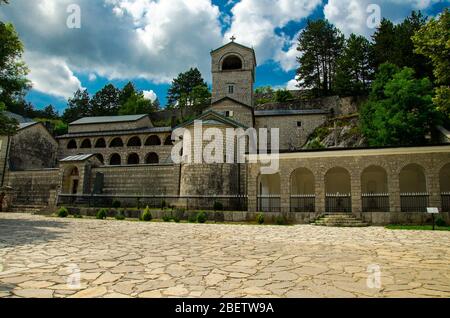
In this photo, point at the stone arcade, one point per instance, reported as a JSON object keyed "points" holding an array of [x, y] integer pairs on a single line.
{"points": [[126, 156]]}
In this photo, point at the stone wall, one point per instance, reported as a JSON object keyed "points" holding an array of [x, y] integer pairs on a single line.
{"points": [[3, 151], [139, 180], [33, 148], [241, 114], [32, 186], [291, 136]]}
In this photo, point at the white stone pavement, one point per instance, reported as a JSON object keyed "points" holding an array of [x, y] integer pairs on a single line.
{"points": [[40, 255]]}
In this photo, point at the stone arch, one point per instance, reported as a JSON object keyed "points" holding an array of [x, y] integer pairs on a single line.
{"points": [[338, 190], [86, 143], [71, 181], [153, 140], [134, 142], [133, 159], [412, 179], [374, 179], [269, 191], [232, 62], [168, 141], [444, 183], [303, 189], [116, 143], [100, 143], [152, 158], [72, 144], [115, 160], [100, 158]]}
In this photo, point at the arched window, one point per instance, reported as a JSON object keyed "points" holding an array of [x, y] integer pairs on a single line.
{"points": [[72, 144], [375, 192], [232, 62], [338, 191], [116, 143], [153, 141], [133, 159], [152, 158], [303, 191], [100, 158], [444, 181], [269, 190], [86, 144], [134, 142], [100, 143], [168, 141], [115, 160], [413, 189]]}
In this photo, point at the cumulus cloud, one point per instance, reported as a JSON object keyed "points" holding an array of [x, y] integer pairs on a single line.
{"points": [[51, 75], [151, 95], [118, 39], [351, 16], [255, 23]]}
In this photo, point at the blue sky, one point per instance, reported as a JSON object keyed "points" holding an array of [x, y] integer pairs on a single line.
{"points": [[150, 41]]}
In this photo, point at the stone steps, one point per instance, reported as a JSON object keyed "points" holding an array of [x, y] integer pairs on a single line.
{"points": [[339, 220], [32, 209]]}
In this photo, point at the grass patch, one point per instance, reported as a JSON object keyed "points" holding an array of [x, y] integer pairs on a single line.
{"points": [[418, 227]]}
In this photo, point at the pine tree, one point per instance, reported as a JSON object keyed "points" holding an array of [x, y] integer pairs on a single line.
{"points": [[77, 107], [105, 102]]}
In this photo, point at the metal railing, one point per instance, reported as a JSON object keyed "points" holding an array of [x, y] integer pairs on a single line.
{"points": [[303, 203], [414, 202], [445, 200], [228, 202], [337, 202], [375, 202], [269, 203]]}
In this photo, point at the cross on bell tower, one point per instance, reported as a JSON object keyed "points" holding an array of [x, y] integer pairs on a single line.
{"points": [[233, 38]]}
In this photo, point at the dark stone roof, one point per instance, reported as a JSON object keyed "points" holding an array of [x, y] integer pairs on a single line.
{"points": [[282, 112], [107, 119], [152, 130]]}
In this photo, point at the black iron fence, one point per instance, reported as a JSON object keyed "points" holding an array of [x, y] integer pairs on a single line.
{"points": [[375, 202], [303, 203], [445, 199], [414, 202], [337, 202], [269, 203], [227, 203]]}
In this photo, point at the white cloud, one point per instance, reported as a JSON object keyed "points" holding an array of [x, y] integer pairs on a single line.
{"points": [[51, 75], [350, 16], [292, 85], [255, 22], [92, 77], [151, 95]]}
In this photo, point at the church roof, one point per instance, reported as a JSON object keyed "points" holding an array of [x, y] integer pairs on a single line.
{"points": [[214, 118], [150, 130], [78, 158], [107, 119], [233, 100]]}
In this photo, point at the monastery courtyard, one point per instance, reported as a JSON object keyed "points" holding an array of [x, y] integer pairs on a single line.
{"points": [[39, 256]]}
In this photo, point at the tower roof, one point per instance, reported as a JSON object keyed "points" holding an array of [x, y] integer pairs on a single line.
{"points": [[232, 43]]}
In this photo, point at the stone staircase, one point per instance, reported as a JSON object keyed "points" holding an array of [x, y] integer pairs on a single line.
{"points": [[33, 209], [339, 220]]}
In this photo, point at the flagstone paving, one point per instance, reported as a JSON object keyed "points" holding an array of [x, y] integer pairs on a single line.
{"points": [[48, 257]]}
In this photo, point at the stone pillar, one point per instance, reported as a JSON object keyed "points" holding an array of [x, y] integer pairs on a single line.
{"points": [[394, 191], [433, 188], [320, 192], [252, 187], [285, 191], [7, 197], [355, 182]]}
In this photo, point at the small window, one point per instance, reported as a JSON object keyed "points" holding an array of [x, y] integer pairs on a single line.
{"points": [[229, 113], [231, 89], [299, 124]]}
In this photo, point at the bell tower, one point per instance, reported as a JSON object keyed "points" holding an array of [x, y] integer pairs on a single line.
{"points": [[233, 73]]}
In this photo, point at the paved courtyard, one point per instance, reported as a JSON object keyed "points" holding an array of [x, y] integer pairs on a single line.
{"points": [[47, 257]]}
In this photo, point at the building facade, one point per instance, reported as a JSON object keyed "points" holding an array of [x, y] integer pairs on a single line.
{"points": [[126, 157]]}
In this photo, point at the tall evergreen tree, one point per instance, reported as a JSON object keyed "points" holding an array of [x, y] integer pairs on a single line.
{"points": [[77, 107], [105, 102], [320, 45], [128, 91], [354, 71]]}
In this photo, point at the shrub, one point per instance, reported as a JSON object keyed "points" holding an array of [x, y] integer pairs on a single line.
{"points": [[120, 216], [192, 218], [202, 217], [280, 220], [218, 206], [179, 213], [163, 204], [260, 218], [77, 216], [102, 214], [63, 212], [146, 216], [440, 222], [176, 219], [166, 218], [116, 204]]}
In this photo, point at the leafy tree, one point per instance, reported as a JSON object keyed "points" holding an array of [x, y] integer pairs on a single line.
{"points": [[433, 41], [180, 94], [77, 107], [393, 44], [128, 91], [320, 45], [283, 95], [105, 102], [8, 126], [264, 95], [399, 110], [157, 104], [354, 72], [13, 71], [50, 112], [136, 105]]}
